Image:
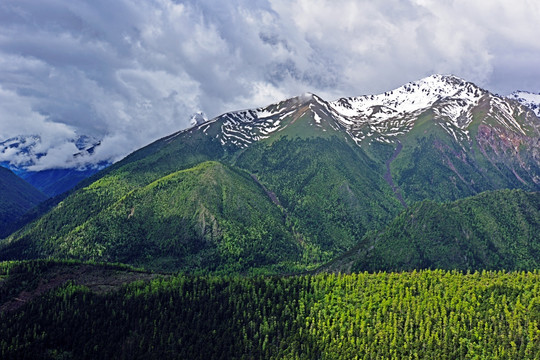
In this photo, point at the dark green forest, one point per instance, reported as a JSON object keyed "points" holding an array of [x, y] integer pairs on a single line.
{"points": [[410, 315], [493, 230]]}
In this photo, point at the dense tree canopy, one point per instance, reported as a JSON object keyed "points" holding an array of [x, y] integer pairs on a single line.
{"points": [[410, 315]]}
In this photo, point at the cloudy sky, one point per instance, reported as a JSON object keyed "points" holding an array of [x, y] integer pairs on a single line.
{"points": [[130, 71]]}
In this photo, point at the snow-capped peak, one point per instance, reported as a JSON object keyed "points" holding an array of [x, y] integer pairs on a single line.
{"points": [[394, 112], [529, 99], [241, 128], [409, 98]]}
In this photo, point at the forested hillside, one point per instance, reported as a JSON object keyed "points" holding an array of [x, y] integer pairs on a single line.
{"points": [[207, 217], [493, 230], [409, 315], [285, 206]]}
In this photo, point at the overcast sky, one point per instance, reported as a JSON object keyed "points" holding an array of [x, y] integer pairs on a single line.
{"points": [[131, 71]]}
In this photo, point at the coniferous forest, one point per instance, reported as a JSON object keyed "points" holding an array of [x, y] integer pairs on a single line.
{"points": [[410, 315]]}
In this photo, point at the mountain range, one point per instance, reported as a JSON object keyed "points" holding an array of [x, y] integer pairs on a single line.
{"points": [[20, 154], [291, 186]]}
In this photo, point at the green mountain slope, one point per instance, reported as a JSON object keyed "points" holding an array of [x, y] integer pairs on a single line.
{"points": [[434, 165], [211, 217], [493, 230], [290, 211], [16, 198], [332, 192]]}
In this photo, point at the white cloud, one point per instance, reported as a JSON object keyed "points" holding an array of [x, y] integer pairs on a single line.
{"points": [[130, 71]]}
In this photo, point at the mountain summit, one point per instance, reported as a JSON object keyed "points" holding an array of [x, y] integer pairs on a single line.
{"points": [[392, 113]]}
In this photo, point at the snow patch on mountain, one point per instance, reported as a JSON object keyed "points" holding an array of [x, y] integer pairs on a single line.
{"points": [[528, 99], [241, 128], [394, 112], [198, 118], [413, 97], [502, 112]]}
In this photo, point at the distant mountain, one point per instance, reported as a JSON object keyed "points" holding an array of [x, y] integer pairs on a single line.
{"points": [[20, 154], [326, 172], [16, 198], [53, 182]]}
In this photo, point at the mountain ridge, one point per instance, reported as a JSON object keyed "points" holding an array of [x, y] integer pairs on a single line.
{"points": [[395, 109]]}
